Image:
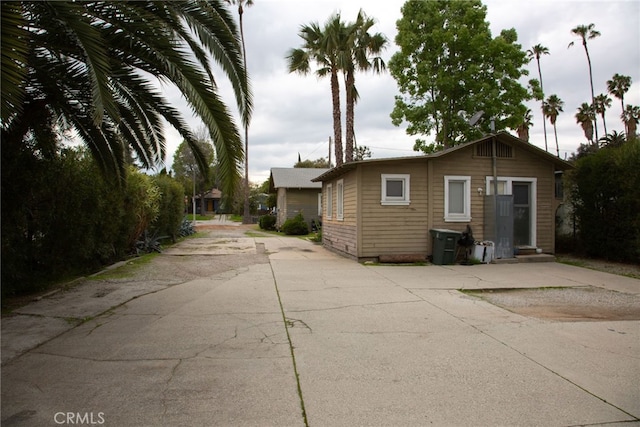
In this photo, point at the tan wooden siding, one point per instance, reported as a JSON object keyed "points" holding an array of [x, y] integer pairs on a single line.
{"points": [[341, 235], [370, 229], [303, 201], [394, 230], [340, 238], [523, 164], [281, 214]]}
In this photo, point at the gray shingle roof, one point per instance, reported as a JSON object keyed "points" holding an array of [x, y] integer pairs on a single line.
{"points": [[296, 177]]}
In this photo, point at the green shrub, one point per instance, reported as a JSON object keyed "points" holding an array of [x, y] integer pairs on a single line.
{"points": [[606, 200], [61, 217], [295, 226], [267, 222], [317, 237], [171, 210]]}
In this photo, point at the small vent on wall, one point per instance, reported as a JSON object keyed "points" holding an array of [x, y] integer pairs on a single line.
{"points": [[485, 149]]}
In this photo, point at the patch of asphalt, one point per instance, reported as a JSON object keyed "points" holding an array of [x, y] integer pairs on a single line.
{"points": [[56, 312]]}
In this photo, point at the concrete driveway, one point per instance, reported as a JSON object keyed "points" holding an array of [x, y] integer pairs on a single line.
{"points": [[277, 331]]}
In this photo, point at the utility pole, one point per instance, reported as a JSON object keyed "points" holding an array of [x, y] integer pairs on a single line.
{"points": [[329, 151]]}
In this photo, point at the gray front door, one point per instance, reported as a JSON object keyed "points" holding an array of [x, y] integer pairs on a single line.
{"points": [[521, 213]]}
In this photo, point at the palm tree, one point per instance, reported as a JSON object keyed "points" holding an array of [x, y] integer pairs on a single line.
{"points": [[585, 117], [614, 139], [535, 52], [551, 109], [246, 218], [323, 46], [630, 117], [82, 67], [587, 32], [359, 46], [602, 102], [523, 129], [618, 86]]}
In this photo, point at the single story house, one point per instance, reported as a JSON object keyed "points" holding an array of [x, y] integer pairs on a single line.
{"points": [[212, 202], [296, 193], [387, 207]]}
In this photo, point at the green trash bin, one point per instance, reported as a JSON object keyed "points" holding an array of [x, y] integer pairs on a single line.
{"points": [[445, 244]]}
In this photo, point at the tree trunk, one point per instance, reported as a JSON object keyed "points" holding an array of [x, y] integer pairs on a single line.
{"points": [[587, 127], [544, 122], [246, 217], [593, 97], [350, 131], [337, 122]]}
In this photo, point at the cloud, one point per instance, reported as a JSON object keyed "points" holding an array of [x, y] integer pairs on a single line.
{"points": [[293, 113]]}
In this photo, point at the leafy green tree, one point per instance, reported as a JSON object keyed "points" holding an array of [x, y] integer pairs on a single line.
{"points": [[588, 32], [551, 108], [360, 45], [187, 172], [535, 52], [618, 86], [82, 66], [324, 47], [449, 63]]}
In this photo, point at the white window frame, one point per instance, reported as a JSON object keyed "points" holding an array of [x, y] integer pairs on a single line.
{"points": [[340, 200], [533, 203], [329, 201], [406, 189], [465, 216], [320, 204]]}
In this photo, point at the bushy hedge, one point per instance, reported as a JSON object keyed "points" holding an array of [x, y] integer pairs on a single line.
{"points": [[295, 226], [171, 209], [267, 222], [61, 217], [606, 199]]}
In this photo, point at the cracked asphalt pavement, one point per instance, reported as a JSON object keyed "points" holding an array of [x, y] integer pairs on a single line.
{"points": [[234, 329]]}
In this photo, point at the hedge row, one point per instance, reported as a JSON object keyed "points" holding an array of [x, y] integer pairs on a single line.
{"points": [[61, 217], [606, 201]]}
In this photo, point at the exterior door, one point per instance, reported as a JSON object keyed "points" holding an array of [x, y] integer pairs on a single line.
{"points": [[521, 213]]}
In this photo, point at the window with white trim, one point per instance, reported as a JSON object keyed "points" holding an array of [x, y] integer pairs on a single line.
{"points": [[395, 189], [329, 201], [320, 204], [340, 200], [457, 198]]}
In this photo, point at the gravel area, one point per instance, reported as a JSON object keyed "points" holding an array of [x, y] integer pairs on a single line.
{"points": [[565, 304]]}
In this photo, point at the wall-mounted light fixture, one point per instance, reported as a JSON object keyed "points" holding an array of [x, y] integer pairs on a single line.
{"points": [[480, 190]]}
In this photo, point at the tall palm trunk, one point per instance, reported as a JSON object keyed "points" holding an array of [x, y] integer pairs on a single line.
{"points": [[246, 215], [604, 123], [555, 132], [337, 120], [544, 122], [350, 131], [593, 96]]}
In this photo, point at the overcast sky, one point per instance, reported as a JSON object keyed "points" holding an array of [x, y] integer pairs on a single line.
{"points": [[292, 113]]}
